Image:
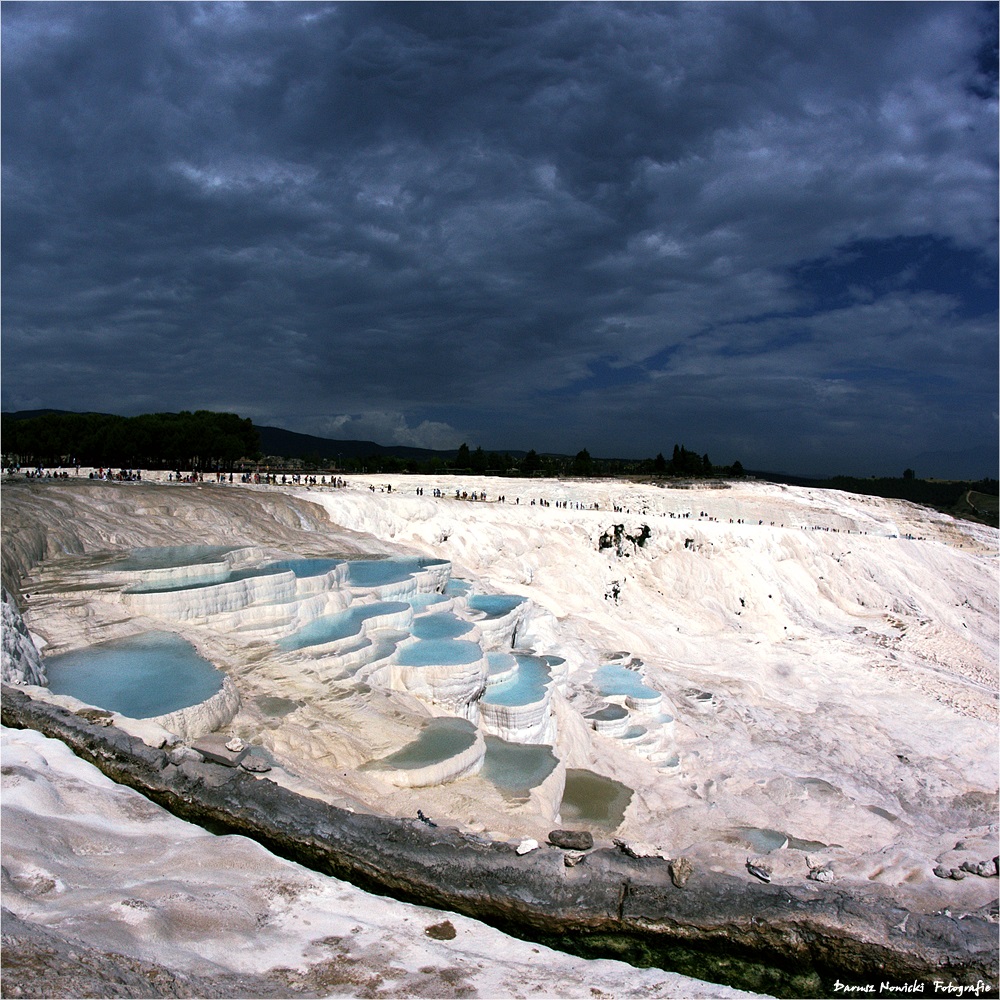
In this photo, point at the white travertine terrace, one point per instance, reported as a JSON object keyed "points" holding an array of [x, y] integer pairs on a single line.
{"points": [[215, 599], [499, 632], [826, 663], [531, 723], [612, 720], [21, 662], [275, 604], [207, 717]]}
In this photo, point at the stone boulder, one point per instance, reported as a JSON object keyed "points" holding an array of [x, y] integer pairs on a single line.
{"points": [[572, 840]]}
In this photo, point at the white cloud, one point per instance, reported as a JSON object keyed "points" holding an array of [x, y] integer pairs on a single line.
{"points": [[388, 427]]}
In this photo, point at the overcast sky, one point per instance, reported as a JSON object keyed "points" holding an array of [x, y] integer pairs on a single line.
{"points": [[765, 231]]}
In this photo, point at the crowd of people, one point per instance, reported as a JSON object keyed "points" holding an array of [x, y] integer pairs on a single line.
{"points": [[338, 482]]}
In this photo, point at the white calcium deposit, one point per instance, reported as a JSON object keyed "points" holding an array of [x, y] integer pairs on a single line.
{"points": [[826, 663], [21, 663], [832, 659], [100, 864]]}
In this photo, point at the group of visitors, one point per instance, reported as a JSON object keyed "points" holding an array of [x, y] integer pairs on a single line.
{"points": [[122, 476], [40, 473]]}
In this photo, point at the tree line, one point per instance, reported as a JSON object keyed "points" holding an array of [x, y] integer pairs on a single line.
{"points": [[683, 463], [202, 440], [209, 441]]}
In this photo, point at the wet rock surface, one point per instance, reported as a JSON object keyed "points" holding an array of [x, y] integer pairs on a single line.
{"points": [[782, 939]]}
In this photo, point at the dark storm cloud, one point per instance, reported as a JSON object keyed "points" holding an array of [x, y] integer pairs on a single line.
{"points": [[766, 230]]}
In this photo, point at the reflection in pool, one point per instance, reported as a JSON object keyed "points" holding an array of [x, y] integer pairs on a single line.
{"points": [[143, 676]]}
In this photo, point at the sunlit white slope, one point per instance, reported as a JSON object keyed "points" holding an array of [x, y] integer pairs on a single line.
{"points": [[98, 863], [833, 678]]}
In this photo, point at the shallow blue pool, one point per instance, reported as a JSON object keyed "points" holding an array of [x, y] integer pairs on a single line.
{"points": [[494, 605], [516, 768], [342, 625], [614, 679], [440, 626], [308, 567], [500, 663], [272, 569], [420, 602], [379, 572], [526, 686], [444, 652], [439, 740], [141, 677]]}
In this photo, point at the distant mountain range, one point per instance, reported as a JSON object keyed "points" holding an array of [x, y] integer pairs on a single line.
{"points": [[290, 444]]}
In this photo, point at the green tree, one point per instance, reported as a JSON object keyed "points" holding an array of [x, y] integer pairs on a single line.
{"points": [[478, 461], [532, 463], [582, 464]]}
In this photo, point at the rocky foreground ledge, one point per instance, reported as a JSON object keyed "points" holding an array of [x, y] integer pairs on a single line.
{"points": [[797, 941]]}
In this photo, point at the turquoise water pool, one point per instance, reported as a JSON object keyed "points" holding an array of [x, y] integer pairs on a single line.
{"points": [[440, 739], [439, 652], [614, 679], [501, 666], [141, 677], [342, 625], [440, 626], [526, 687], [420, 602], [272, 569], [494, 605], [516, 768], [308, 567], [379, 572]]}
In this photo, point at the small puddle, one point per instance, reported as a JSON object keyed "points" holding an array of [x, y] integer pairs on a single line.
{"points": [[276, 708], [592, 800]]}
